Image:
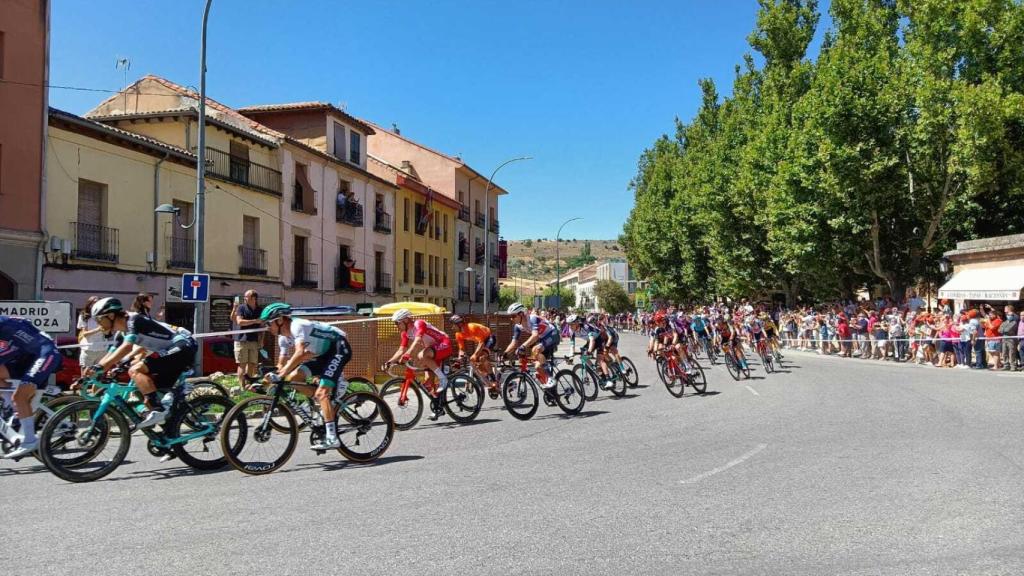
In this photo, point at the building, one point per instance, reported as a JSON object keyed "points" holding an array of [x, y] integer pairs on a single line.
{"points": [[581, 282], [477, 226], [617, 272], [24, 73], [990, 270], [424, 238], [337, 226]]}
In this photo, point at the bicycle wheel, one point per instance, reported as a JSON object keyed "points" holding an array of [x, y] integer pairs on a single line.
{"points": [[589, 380], [767, 362], [745, 367], [365, 426], [630, 373], [463, 398], [618, 380], [732, 366], [199, 420], [697, 380], [710, 351], [674, 381], [251, 443], [568, 392], [406, 414], [79, 446], [519, 394]]}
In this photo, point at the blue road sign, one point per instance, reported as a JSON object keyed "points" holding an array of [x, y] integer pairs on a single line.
{"points": [[195, 287]]}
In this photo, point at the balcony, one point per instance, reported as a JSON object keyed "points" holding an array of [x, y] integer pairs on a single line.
{"points": [[181, 252], [464, 213], [494, 226], [342, 280], [382, 283], [382, 222], [305, 275], [463, 252], [94, 242], [220, 164], [464, 293], [297, 203], [479, 260], [495, 261], [420, 277], [351, 214], [252, 261], [480, 219]]}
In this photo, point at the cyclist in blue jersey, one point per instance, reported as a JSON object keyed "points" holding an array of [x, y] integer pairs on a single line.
{"points": [[597, 344], [542, 342], [27, 358], [168, 351]]}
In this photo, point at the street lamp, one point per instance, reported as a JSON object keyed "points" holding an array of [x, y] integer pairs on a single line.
{"points": [[487, 231], [469, 282], [558, 272]]}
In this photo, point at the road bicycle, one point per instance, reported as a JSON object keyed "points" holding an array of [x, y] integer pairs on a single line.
{"points": [[468, 369], [767, 359], [590, 376], [253, 385], [732, 364], [462, 399], [709, 350], [520, 391], [44, 405], [676, 378], [260, 433], [74, 442]]}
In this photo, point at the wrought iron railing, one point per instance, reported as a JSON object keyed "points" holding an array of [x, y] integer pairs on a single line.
{"points": [[464, 213], [252, 261], [480, 219], [420, 276], [495, 261], [382, 283], [382, 222], [464, 293], [351, 213], [342, 281], [494, 226], [463, 252], [479, 256], [93, 242], [181, 252], [305, 274], [222, 165]]}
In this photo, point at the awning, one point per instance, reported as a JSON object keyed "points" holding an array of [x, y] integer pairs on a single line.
{"points": [[989, 283]]}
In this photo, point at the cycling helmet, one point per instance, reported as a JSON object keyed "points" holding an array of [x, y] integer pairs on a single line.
{"points": [[516, 308], [106, 306], [276, 310], [401, 314], [456, 319], [659, 317], [592, 319], [572, 319]]}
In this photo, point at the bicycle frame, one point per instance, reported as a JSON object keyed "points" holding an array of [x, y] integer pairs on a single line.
{"points": [[116, 395]]}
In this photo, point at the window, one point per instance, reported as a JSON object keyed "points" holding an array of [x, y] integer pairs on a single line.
{"points": [[354, 152], [89, 232], [476, 204], [250, 232], [444, 273], [418, 268], [437, 225], [1, 54], [462, 199], [445, 228], [405, 266], [339, 140], [421, 222], [405, 214], [239, 160], [430, 270], [303, 199]]}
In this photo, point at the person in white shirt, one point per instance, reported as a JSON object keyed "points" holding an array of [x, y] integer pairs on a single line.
{"points": [[93, 340]]}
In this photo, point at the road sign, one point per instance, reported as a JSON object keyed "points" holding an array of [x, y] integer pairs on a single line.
{"points": [[195, 287], [46, 316]]}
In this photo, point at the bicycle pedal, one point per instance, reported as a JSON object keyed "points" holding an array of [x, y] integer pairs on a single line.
{"points": [[320, 452]]}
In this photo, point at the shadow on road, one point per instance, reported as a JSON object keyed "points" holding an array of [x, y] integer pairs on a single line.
{"points": [[450, 424], [23, 470], [345, 464], [563, 416], [170, 473], [704, 395]]}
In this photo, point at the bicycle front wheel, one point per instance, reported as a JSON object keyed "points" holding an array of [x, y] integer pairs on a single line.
{"points": [[569, 392], [251, 442], [698, 380], [732, 366], [365, 427], [630, 373], [674, 381], [463, 398], [199, 423], [588, 379], [618, 380], [406, 414], [519, 394], [78, 445]]}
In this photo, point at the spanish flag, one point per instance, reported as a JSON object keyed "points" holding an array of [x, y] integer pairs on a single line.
{"points": [[357, 280]]}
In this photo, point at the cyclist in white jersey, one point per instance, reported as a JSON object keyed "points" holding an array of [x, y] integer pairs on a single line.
{"points": [[321, 350]]}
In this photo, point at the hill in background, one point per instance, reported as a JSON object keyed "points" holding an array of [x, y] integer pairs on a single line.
{"points": [[535, 258]]}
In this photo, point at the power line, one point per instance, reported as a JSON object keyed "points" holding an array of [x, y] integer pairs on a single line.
{"points": [[83, 89]]}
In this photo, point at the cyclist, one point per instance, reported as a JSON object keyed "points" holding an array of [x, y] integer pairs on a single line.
{"points": [[27, 358], [485, 342], [613, 341], [661, 335], [161, 353], [597, 347], [771, 332], [542, 342], [320, 350], [430, 346], [754, 328], [680, 327], [730, 340]]}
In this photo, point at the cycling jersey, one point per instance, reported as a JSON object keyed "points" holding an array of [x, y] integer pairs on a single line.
{"points": [[698, 325], [432, 338], [664, 334], [155, 336], [477, 333], [613, 336], [330, 346], [29, 355], [319, 337], [548, 334]]}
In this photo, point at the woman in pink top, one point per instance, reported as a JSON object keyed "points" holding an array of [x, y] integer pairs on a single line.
{"points": [[948, 336]]}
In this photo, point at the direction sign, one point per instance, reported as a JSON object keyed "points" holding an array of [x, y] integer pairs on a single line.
{"points": [[195, 287], [46, 316]]}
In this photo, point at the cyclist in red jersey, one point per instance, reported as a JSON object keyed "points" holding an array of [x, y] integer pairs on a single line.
{"points": [[429, 346]]}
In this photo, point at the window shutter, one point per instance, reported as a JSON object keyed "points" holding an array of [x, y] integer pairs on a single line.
{"points": [[339, 141], [90, 203]]}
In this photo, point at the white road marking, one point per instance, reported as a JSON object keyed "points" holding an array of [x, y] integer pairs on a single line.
{"points": [[725, 467], [752, 391]]}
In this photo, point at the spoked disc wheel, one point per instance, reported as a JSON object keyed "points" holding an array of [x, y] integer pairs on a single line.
{"points": [[406, 414], [365, 427], [520, 396], [251, 443], [202, 418], [78, 446], [588, 379], [569, 392], [630, 373], [463, 398]]}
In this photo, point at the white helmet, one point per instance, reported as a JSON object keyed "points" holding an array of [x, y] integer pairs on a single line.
{"points": [[401, 314], [516, 308], [571, 318]]}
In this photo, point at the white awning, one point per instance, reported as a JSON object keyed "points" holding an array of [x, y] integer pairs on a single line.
{"points": [[989, 283]]}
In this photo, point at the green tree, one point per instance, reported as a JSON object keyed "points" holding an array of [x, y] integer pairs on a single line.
{"points": [[568, 296], [612, 297], [507, 295]]}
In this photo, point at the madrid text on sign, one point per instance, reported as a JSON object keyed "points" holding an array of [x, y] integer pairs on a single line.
{"points": [[46, 316]]}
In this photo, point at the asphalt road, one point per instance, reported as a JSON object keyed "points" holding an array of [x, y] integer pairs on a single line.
{"points": [[831, 467]]}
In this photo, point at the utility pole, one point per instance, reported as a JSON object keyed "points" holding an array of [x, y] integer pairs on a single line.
{"points": [[487, 230], [558, 271], [199, 322]]}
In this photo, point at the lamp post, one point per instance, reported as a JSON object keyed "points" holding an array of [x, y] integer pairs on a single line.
{"points": [[469, 286], [487, 231], [558, 271], [199, 320]]}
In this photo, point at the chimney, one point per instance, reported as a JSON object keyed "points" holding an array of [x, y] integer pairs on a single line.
{"points": [[394, 128]]}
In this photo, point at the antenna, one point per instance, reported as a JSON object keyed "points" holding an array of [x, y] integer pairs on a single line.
{"points": [[124, 65]]}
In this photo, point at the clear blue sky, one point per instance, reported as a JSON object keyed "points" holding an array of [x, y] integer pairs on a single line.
{"points": [[581, 85]]}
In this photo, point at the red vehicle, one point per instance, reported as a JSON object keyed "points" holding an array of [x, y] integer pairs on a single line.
{"points": [[218, 356]]}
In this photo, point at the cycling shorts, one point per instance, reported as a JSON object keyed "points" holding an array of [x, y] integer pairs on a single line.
{"points": [[491, 342], [329, 365], [770, 332], [550, 343], [757, 336], [167, 366], [32, 368]]}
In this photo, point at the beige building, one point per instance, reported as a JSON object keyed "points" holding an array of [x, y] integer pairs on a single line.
{"points": [[477, 222], [989, 270]]}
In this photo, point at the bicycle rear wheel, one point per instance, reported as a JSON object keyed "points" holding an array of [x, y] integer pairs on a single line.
{"points": [[79, 446], [201, 416], [365, 427], [569, 392], [254, 445], [630, 373], [618, 380], [709, 349], [406, 414], [520, 396], [589, 380], [463, 398], [767, 362]]}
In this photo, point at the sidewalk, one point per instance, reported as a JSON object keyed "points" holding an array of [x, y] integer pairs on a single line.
{"points": [[788, 352]]}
